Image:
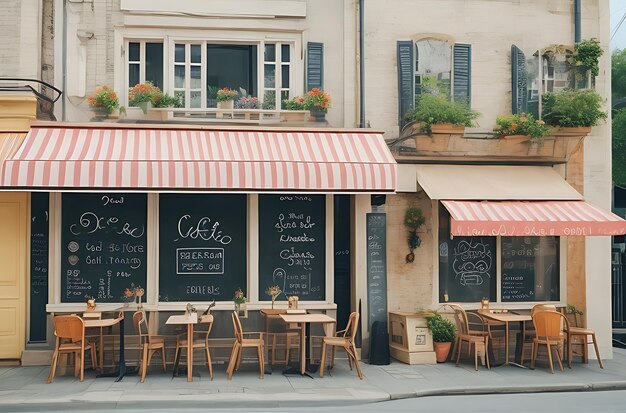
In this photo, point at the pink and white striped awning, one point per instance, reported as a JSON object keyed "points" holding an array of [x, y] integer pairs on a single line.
{"points": [[128, 158], [530, 218]]}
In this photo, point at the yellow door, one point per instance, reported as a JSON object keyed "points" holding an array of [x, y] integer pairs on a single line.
{"points": [[13, 241]]}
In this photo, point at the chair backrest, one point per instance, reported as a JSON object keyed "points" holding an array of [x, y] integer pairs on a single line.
{"points": [[70, 327], [237, 327], [549, 324], [141, 327], [460, 317], [351, 327], [542, 307], [208, 320]]}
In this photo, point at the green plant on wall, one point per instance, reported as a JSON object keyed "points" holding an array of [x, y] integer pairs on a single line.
{"points": [[430, 109], [587, 54], [572, 108], [413, 219]]}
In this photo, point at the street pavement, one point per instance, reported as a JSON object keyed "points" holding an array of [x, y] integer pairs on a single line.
{"points": [[25, 388]]}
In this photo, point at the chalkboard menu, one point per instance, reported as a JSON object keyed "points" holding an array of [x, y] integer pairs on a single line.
{"points": [[103, 245], [202, 246], [39, 231], [376, 229], [292, 245], [530, 269]]}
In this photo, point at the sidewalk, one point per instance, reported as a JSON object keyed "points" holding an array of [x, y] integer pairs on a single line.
{"points": [[25, 388]]}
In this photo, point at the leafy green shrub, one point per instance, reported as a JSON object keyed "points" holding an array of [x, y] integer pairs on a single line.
{"points": [[521, 124], [587, 54], [430, 109], [297, 103], [164, 100], [441, 328], [104, 98], [572, 108]]}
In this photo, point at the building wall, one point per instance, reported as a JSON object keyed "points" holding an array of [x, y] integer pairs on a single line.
{"points": [[491, 27], [20, 38]]}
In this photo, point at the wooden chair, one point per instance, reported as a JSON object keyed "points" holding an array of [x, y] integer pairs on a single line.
{"points": [[240, 344], [200, 343], [477, 338], [343, 338], [70, 339], [548, 330], [149, 343], [530, 332], [583, 333]]}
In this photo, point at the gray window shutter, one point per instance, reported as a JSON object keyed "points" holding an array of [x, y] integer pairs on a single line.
{"points": [[519, 81], [462, 87], [406, 79], [314, 66]]}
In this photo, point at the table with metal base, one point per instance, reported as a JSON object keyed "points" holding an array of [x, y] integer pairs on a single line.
{"points": [[304, 320], [506, 318]]}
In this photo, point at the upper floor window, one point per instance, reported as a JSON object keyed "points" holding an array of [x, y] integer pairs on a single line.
{"points": [[145, 63]]}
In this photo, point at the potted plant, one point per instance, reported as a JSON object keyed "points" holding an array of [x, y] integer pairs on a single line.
{"points": [[273, 291], [317, 102], [142, 95], [413, 219], [225, 98], [587, 55], [293, 110], [442, 330], [572, 314], [103, 102], [566, 109], [239, 298], [439, 115], [521, 124], [162, 101]]}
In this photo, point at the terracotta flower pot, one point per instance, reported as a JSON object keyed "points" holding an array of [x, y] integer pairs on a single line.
{"points": [[442, 350], [447, 128], [226, 104]]}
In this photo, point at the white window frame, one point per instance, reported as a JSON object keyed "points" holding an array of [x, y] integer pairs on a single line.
{"points": [[142, 63], [498, 261]]}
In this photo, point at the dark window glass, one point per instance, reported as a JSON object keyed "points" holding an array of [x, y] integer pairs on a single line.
{"points": [[133, 74], [196, 53], [232, 66], [530, 269], [285, 77], [154, 63], [179, 53], [133, 52], [285, 53], [270, 52]]}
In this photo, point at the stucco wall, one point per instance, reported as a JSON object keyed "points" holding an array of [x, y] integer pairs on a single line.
{"points": [[20, 38]]}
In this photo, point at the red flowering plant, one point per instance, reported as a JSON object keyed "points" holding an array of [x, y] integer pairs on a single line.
{"points": [[297, 103], [104, 98], [225, 94], [143, 92], [317, 99], [239, 296], [247, 102], [521, 124]]}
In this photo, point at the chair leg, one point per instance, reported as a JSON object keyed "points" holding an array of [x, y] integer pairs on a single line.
{"points": [[76, 365], [287, 349], [163, 358], [259, 351], [533, 350], [595, 346], [487, 353], [53, 365], [569, 351], [349, 360], [144, 363], [209, 362], [550, 357], [458, 353], [239, 358], [332, 357], [558, 353], [273, 347], [356, 362], [101, 352], [475, 356], [323, 358], [233, 357], [81, 359]]}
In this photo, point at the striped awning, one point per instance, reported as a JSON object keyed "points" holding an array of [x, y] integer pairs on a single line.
{"points": [[530, 218], [131, 158]]}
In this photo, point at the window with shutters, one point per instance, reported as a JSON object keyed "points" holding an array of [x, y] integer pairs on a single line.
{"points": [[194, 70]]}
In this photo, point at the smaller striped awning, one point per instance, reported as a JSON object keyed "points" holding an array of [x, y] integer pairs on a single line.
{"points": [[531, 218], [130, 158]]}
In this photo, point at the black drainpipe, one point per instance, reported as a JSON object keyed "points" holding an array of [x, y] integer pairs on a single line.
{"points": [[577, 38], [361, 66]]}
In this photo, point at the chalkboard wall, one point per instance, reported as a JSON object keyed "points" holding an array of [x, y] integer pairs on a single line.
{"points": [[292, 245], [376, 268], [103, 240], [202, 246], [39, 232]]}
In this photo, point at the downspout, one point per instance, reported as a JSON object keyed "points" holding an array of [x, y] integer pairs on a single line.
{"points": [[577, 38], [64, 62], [361, 66]]}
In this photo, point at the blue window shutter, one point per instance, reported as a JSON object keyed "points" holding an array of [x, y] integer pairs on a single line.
{"points": [[314, 66], [462, 73], [519, 81], [406, 79]]}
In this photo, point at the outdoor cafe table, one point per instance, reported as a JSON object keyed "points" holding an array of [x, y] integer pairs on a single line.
{"points": [[302, 319], [507, 318], [189, 320]]}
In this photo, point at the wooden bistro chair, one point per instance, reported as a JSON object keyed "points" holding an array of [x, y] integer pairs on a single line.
{"points": [[530, 332], [343, 338], [477, 338], [149, 343], [70, 339], [200, 343], [548, 330], [584, 333], [241, 343]]}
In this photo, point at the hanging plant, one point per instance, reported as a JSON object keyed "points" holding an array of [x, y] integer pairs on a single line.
{"points": [[587, 54], [413, 219]]}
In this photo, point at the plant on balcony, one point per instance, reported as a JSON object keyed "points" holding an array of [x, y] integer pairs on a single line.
{"points": [[247, 102], [225, 98], [572, 108], [164, 100], [142, 95], [587, 54], [296, 103], [437, 109], [522, 124], [104, 101], [317, 102]]}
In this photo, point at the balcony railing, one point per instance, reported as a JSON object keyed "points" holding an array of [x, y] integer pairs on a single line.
{"points": [[213, 115]]}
